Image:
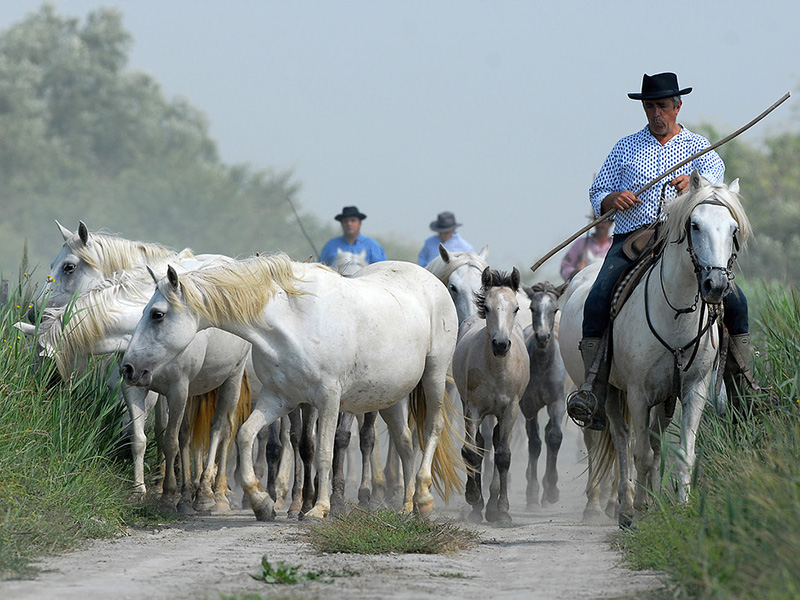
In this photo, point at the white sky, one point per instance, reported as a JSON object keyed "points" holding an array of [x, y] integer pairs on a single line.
{"points": [[499, 111]]}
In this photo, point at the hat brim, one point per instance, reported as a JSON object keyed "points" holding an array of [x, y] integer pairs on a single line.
{"points": [[659, 95], [361, 216], [437, 229]]}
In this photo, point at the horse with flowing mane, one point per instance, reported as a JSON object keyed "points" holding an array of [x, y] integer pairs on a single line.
{"points": [[665, 338], [354, 344]]}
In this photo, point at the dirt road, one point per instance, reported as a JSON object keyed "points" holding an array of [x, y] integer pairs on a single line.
{"points": [[546, 554]]}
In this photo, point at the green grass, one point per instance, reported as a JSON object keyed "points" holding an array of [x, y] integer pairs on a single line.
{"points": [[63, 478], [284, 573], [382, 532], [739, 536]]}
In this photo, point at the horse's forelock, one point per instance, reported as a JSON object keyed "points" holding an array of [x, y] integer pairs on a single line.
{"points": [[111, 254], [545, 287], [496, 279]]}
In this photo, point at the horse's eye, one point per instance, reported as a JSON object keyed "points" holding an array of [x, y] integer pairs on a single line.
{"points": [[695, 227], [156, 315], [452, 288], [68, 268]]}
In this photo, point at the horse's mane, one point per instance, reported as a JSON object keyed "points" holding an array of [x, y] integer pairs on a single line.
{"points": [[680, 209], [443, 270], [498, 279], [544, 287], [117, 253], [76, 327], [237, 291]]}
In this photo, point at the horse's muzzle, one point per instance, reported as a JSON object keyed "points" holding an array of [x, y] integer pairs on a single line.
{"points": [[133, 377], [714, 285], [501, 347]]}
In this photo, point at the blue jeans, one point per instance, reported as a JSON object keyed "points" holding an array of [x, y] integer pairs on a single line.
{"points": [[598, 303]]}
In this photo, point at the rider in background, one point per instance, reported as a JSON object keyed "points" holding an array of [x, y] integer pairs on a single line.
{"points": [[445, 227], [351, 241]]}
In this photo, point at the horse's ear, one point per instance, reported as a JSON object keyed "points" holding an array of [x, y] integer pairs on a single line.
{"points": [[363, 254], [734, 186], [562, 288], [515, 277], [338, 251], [152, 274], [25, 328], [65, 233], [528, 291], [83, 233], [172, 276], [444, 253], [484, 253], [696, 181], [486, 277]]}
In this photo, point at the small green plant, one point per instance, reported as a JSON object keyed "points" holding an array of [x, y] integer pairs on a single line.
{"points": [[382, 532], [283, 573]]}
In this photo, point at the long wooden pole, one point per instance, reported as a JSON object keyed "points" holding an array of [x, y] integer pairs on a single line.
{"points": [[611, 212]]}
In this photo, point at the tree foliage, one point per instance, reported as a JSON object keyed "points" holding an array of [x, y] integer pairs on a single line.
{"points": [[82, 137]]}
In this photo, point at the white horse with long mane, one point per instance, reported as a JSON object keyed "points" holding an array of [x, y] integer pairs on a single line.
{"points": [[665, 337], [354, 344], [100, 321]]}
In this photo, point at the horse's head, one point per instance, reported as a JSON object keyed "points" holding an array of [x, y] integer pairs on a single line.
{"points": [[497, 303], [348, 263], [712, 223], [461, 273], [166, 328], [544, 306], [75, 268]]}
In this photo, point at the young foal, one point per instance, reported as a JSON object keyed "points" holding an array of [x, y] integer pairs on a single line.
{"points": [[545, 389], [491, 369]]}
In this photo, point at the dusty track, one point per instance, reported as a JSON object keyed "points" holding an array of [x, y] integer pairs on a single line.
{"points": [[546, 554]]}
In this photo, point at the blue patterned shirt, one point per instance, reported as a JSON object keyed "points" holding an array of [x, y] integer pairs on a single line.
{"points": [[637, 159], [374, 250], [430, 249]]}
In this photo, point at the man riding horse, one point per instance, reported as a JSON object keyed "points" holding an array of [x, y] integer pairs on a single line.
{"points": [[634, 161]]}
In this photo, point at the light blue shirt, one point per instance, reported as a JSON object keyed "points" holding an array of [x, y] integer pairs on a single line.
{"points": [[637, 159], [430, 249], [374, 250]]}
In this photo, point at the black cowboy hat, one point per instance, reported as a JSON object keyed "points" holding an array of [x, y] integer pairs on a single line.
{"points": [[662, 85], [350, 211], [445, 221]]}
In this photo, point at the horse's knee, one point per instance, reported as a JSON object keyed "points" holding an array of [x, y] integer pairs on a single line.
{"points": [[553, 437], [502, 459]]}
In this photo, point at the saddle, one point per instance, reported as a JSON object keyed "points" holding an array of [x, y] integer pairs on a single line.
{"points": [[640, 247]]}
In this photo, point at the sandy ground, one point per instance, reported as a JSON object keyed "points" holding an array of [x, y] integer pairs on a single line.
{"points": [[546, 554]]}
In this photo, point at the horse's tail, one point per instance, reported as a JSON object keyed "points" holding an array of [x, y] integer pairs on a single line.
{"points": [[605, 454], [446, 459], [243, 408], [199, 413]]}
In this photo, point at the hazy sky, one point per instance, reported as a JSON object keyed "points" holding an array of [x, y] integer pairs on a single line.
{"points": [[498, 111]]}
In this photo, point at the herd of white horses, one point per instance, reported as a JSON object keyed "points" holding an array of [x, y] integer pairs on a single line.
{"points": [[281, 356]]}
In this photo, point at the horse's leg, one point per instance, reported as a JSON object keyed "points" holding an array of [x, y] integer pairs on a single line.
{"points": [[619, 434], [186, 455], [433, 384], [367, 446], [285, 464], [266, 410], [327, 417], [692, 405], [177, 408], [135, 399], [534, 450], [220, 435], [340, 444], [498, 505], [396, 419], [296, 420], [553, 436], [592, 511], [161, 419], [272, 454], [660, 423], [472, 452], [308, 450], [378, 478], [642, 449], [486, 428], [393, 470]]}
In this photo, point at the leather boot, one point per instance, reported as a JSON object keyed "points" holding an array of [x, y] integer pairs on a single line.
{"points": [[739, 382], [587, 405]]}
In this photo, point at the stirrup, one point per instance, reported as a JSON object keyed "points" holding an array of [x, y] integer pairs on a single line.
{"points": [[582, 408]]}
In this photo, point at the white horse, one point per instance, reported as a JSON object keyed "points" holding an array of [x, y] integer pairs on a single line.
{"points": [[491, 370], [354, 344], [546, 389], [349, 263], [101, 321], [665, 338]]}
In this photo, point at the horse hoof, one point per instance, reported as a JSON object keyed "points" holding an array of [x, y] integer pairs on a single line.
{"points": [[293, 513], [551, 497], [314, 515], [203, 504], [424, 510], [475, 517], [503, 520], [184, 508], [625, 521], [532, 506]]}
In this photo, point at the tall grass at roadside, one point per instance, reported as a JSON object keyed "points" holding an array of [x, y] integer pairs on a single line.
{"points": [[59, 481], [739, 536]]}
